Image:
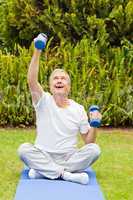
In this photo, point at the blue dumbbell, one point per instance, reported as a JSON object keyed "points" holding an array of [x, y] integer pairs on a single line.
{"points": [[94, 122], [40, 41]]}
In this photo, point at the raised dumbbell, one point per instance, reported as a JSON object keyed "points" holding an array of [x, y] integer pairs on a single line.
{"points": [[40, 41]]}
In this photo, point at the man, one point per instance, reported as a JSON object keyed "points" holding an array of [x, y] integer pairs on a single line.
{"points": [[59, 120]]}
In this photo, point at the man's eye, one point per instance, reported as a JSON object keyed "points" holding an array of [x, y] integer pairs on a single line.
{"points": [[55, 78]]}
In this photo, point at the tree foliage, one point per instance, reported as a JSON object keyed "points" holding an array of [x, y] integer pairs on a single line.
{"points": [[22, 20], [92, 40]]}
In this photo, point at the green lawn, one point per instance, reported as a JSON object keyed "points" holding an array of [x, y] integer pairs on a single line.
{"points": [[114, 169]]}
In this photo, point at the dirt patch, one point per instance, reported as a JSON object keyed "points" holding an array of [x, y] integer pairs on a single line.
{"points": [[120, 129]]}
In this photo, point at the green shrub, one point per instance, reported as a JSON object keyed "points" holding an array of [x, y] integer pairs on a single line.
{"points": [[97, 78]]}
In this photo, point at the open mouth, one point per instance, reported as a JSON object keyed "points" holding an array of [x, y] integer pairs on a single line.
{"points": [[59, 86]]}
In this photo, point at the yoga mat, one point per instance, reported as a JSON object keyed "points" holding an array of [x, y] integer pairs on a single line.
{"points": [[45, 189]]}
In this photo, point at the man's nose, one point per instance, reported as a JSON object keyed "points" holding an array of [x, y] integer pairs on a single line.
{"points": [[59, 81]]}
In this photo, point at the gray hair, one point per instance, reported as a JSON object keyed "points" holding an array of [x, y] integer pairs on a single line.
{"points": [[59, 70]]}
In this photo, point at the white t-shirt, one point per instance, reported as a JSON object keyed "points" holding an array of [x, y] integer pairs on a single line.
{"points": [[57, 127]]}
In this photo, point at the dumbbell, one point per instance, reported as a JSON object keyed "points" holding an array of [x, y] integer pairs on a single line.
{"points": [[94, 122], [40, 41]]}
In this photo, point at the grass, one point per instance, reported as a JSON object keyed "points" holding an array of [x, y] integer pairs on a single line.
{"points": [[113, 169]]}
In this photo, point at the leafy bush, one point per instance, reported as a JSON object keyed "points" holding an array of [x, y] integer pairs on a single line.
{"points": [[97, 78]]}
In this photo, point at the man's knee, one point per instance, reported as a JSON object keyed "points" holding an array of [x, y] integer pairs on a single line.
{"points": [[95, 149], [23, 149]]}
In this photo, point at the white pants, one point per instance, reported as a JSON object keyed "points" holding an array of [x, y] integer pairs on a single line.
{"points": [[52, 165]]}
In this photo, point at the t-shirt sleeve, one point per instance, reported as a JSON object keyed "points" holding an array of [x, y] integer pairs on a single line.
{"points": [[41, 101], [84, 124]]}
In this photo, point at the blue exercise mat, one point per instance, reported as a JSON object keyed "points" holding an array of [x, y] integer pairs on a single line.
{"points": [[45, 189]]}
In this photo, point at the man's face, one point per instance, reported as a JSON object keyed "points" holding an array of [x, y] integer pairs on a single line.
{"points": [[60, 84]]}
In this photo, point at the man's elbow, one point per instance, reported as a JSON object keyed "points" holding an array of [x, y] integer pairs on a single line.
{"points": [[31, 82]]}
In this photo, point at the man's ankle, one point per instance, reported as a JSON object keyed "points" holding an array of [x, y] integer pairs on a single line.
{"points": [[33, 174], [81, 178]]}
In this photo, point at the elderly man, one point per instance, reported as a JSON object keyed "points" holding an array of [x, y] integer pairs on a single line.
{"points": [[58, 120]]}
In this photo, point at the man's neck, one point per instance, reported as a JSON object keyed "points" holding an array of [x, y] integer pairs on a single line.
{"points": [[61, 100]]}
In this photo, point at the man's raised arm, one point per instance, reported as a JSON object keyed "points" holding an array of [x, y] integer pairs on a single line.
{"points": [[35, 88]]}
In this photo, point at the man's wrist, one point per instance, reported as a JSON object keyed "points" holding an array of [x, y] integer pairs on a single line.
{"points": [[37, 51], [93, 129]]}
